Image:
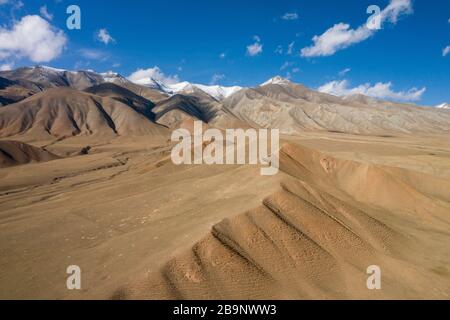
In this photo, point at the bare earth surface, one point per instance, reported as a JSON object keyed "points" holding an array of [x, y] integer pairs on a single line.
{"points": [[141, 227]]}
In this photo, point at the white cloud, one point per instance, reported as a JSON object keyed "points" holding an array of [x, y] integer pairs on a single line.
{"points": [[216, 78], [445, 51], [44, 12], [290, 16], [255, 48], [144, 76], [338, 37], [379, 90], [222, 55], [344, 72], [16, 4], [6, 66], [395, 9], [34, 38], [93, 54], [341, 36], [104, 36], [290, 48]]}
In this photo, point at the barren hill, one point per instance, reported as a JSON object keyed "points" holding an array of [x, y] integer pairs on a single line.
{"points": [[50, 78], [14, 153], [62, 112], [15, 91], [125, 96], [316, 237], [294, 108]]}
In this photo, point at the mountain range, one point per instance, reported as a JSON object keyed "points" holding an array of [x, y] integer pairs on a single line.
{"points": [[47, 101]]}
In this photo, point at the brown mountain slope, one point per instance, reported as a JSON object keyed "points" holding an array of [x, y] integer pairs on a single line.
{"points": [[125, 96], [147, 93], [293, 108], [173, 111], [15, 91], [63, 112], [316, 237], [14, 153], [50, 78]]}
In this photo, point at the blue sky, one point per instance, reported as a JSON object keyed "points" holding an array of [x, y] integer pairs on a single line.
{"points": [[211, 42]]}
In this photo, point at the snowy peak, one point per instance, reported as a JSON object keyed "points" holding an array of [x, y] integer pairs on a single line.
{"points": [[85, 78], [184, 86], [50, 69], [152, 83], [113, 77], [443, 106], [276, 80], [217, 92]]}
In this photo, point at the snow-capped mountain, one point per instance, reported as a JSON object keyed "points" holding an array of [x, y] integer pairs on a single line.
{"points": [[152, 83], [114, 77], [443, 106], [216, 91], [53, 77], [219, 92], [48, 77], [276, 80]]}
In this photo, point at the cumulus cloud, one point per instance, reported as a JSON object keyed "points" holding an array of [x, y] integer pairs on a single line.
{"points": [[34, 38], [379, 90], [44, 12], [145, 76], [445, 51], [255, 48], [338, 37], [290, 16], [341, 36], [104, 36]]}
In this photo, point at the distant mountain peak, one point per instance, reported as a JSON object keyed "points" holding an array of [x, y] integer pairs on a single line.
{"points": [[276, 80], [47, 68], [216, 91], [443, 106], [113, 77]]}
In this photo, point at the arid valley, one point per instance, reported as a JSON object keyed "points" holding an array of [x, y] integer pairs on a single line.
{"points": [[86, 179]]}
